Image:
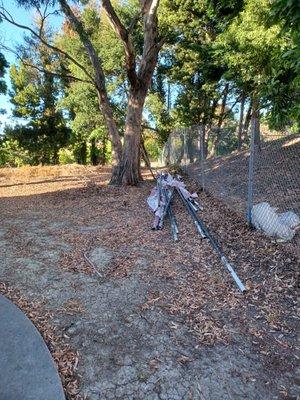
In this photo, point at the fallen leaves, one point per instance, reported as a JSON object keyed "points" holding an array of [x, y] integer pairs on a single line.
{"points": [[72, 307], [65, 357], [187, 278]]}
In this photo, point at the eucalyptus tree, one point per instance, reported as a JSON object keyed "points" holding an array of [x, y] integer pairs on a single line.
{"points": [[3, 88], [89, 130], [139, 64]]}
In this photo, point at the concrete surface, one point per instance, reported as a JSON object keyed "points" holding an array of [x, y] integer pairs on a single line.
{"points": [[27, 370]]}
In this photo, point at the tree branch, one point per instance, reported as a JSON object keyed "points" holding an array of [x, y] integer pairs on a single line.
{"points": [[85, 40], [104, 102], [231, 108], [124, 35], [151, 45], [4, 14], [149, 127], [134, 22], [24, 62], [66, 76]]}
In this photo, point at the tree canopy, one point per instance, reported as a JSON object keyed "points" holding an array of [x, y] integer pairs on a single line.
{"points": [[120, 74]]}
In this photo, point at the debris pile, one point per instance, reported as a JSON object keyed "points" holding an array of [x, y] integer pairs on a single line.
{"points": [[160, 202]]}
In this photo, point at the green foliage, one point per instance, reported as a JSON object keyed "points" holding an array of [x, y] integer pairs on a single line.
{"points": [[253, 46], [287, 13], [152, 145], [3, 66], [254, 52], [66, 156], [34, 95], [11, 154]]}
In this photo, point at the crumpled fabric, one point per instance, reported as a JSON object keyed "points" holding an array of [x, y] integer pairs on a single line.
{"points": [[266, 219], [168, 181]]}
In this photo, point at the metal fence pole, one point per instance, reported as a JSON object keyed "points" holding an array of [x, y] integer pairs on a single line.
{"points": [[250, 173], [184, 148], [202, 132]]}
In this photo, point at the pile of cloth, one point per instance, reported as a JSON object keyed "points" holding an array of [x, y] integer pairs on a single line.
{"points": [[160, 200]]}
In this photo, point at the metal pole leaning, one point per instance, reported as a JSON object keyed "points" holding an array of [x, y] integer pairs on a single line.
{"points": [[192, 213], [156, 221], [169, 211], [216, 247], [174, 227], [168, 200]]}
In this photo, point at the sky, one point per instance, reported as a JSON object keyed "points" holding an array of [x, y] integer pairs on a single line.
{"points": [[11, 36]]}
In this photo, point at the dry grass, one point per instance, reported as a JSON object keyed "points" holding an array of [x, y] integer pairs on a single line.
{"points": [[28, 173]]}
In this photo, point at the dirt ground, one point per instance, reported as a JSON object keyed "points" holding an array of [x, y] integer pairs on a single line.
{"points": [[127, 313]]}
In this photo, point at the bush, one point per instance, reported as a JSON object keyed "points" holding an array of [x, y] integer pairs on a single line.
{"points": [[66, 156]]}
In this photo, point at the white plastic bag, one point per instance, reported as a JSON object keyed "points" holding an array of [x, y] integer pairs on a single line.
{"points": [[290, 219], [266, 219]]}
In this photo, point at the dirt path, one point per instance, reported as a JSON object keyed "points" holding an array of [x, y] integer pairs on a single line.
{"points": [[157, 320]]}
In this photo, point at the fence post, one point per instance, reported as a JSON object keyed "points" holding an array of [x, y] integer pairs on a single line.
{"points": [[202, 133], [251, 171], [184, 148]]}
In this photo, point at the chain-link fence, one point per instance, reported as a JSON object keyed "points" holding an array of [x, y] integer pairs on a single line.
{"points": [[264, 172]]}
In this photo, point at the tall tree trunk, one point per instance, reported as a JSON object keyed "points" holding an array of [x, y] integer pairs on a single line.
{"points": [[203, 141], [102, 158], [212, 111], [240, 128], [256, 122], [94, 152], [211, 118], [220, 120], [129, 172], [223, 106], [55, 156], [81, 153], [247, 121]]}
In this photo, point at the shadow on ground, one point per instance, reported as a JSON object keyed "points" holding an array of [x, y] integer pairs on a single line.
{"points": [[121, 319]]}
